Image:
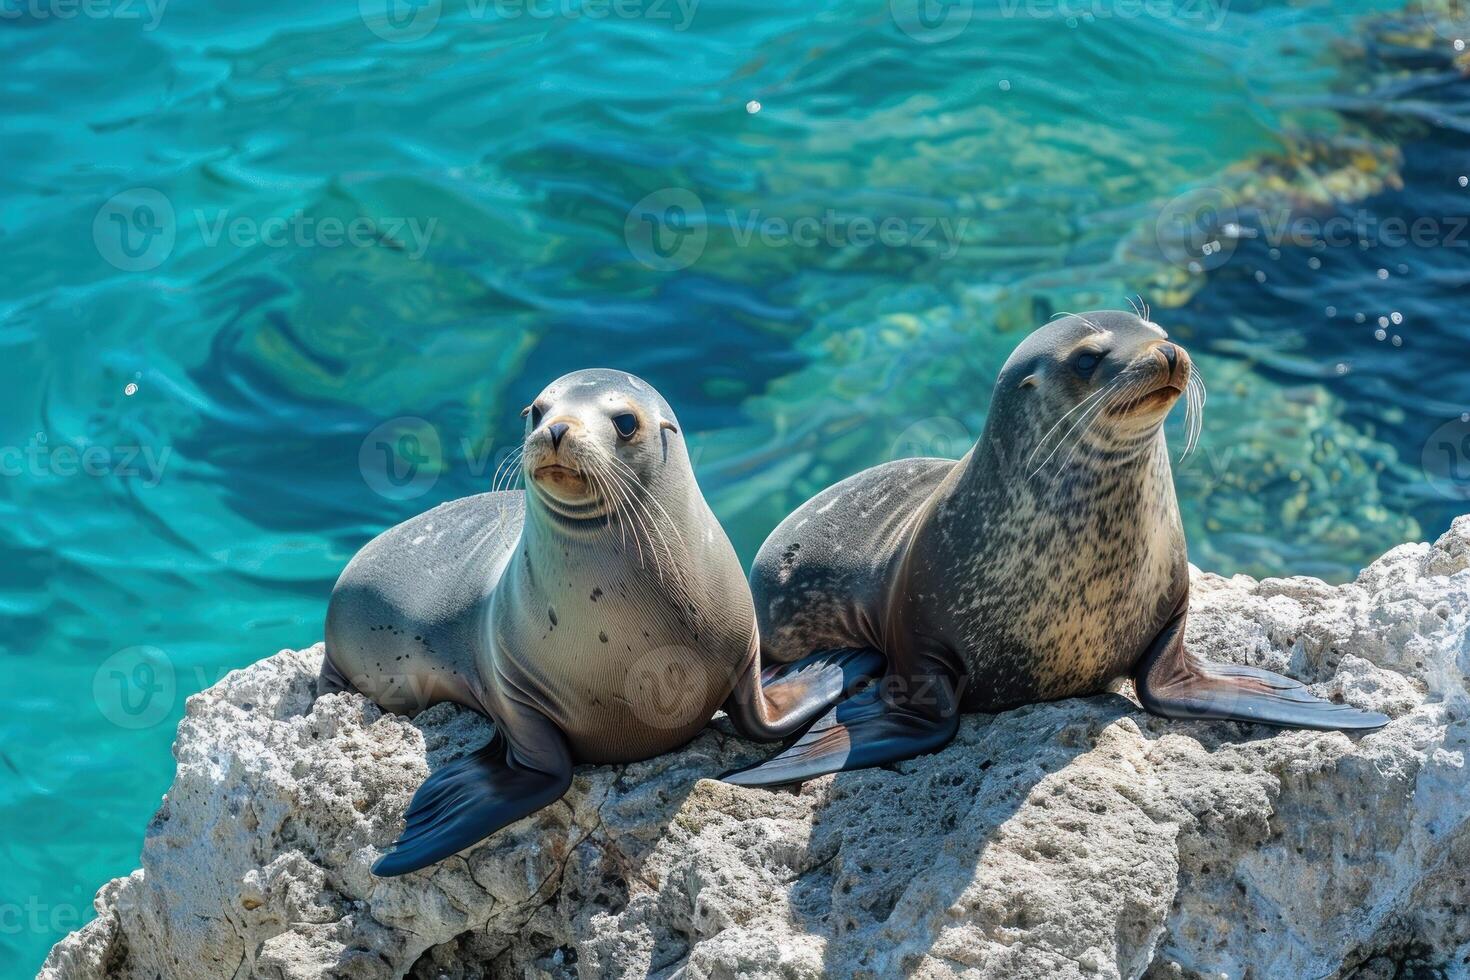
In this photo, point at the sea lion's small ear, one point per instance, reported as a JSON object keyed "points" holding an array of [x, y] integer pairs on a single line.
{"points": [[1028, 382], [666, 424], [525, 411]]}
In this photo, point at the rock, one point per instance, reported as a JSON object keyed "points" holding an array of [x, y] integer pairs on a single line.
{"points": [[1076, 839]]}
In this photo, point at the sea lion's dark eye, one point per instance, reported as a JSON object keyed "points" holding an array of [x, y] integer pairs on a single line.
{"points": [[536, 416], [626, 424], [1087, 362]]}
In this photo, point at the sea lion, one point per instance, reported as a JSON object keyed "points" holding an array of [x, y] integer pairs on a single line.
{"points": [[1047, 562], [599, 615]]}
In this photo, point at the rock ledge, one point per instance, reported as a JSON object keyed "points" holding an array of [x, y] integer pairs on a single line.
{"points": [[1076, 839]]}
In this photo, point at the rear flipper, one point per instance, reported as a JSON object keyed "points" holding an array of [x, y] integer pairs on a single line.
{"points": [[769, 705], [868, 729], [1172, 682], [471, 798]]}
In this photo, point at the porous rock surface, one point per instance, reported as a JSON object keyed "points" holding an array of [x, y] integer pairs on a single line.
{"points": [[1076, 839]]}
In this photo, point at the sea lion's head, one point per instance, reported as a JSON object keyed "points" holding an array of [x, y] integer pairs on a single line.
{"points": [[601, 442], [1087, 385]]}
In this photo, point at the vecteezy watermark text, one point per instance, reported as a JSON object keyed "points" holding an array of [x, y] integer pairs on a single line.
{"points": [[1201, 228], [136, 230], [402, 21], [670, 229], [1207, 13], [39, 458], [298, 229], [36, 916], [150, 12], [937, 21], [831, 229]]}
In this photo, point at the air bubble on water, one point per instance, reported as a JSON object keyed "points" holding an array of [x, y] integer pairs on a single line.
{"points": [[1380, 334], [1342, 368], [1314, 263], [1196, 267], [1464, 181], [1260, 276], [1275, 253], [1382, 273], [1459, 44], [1383, 321], [1331, 311], [1396, 317], [1398, 341], [1359, 318], [130, 389], [1403, 269], [752, 107], [1005, 84], [1465, 416]]}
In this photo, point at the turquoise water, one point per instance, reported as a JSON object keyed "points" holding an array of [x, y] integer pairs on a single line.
{"points": [[281, 275]]}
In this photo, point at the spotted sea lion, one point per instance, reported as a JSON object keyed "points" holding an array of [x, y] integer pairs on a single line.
{"points": [[600, 615], [1047, 562]]}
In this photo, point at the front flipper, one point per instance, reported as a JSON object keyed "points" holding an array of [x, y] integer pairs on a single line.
{"points": [[1172, 682], [769, 705], [471, 798], [868, 729]]}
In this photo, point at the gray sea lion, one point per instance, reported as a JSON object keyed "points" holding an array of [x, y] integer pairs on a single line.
{"points": [[1047, 562], [600, 615]]}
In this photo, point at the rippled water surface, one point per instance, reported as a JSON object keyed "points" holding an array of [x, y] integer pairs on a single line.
{"points": [[249, 245]]}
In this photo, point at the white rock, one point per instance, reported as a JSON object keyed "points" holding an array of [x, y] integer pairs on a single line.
{"points": [[1076, 839]]}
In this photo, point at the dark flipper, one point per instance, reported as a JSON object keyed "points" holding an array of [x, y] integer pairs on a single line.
{"points": [[769, 705], [1171, 682], [331, 680], [471, 798], [868, 729]]}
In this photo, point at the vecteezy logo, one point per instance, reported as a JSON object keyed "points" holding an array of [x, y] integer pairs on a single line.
{"points": [[135, 688], [401, 458], [400, 21], [931, 21], [1198, 230], [1446, 459], [666, 230], [667, 688], [939, 436], [135, 230], [1450, 21]]}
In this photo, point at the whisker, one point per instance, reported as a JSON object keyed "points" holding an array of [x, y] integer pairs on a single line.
{"points": [[1121, 394], [1091, 402], [1195, 410], [638, 484], [508, 468], [615, 498], [1041, 443], [1079, 316], [650, 520]]}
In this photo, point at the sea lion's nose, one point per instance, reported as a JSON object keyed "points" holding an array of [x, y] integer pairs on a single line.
{"points": [[1171, 354], [557, 430]]}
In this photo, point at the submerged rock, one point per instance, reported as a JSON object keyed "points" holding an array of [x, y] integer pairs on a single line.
{"points": [[1081, 838]]}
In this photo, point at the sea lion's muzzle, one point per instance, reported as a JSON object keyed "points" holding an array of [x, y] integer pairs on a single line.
{"points": [[552, 459], [1176, 363], [1173, 364]]}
